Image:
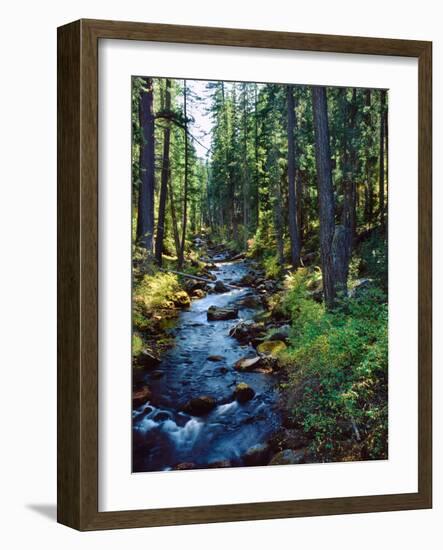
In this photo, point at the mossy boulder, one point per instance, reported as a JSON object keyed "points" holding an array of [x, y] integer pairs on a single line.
{"points": [[243, 392], [271, 347], [181, 299]]}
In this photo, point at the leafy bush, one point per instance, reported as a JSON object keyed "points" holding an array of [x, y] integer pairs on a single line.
{"points": [[272, 266], [156, 291], [338, 373], [137, 344]]}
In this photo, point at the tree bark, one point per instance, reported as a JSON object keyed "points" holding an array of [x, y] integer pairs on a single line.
{"points": [[145, 220], [325, 191], [164, 180], [381, 161], [256, 166], [185, 190], [386, 152], [174, 220], [294, 231], [245, 169], [349, 169]]}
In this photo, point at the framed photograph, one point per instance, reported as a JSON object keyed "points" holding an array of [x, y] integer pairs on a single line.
{"points": [[244, 274]]}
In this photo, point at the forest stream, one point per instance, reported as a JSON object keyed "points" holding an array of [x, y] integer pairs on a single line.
{"points": [[202, 363]]}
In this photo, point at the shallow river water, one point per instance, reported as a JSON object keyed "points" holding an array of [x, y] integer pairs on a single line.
{"points": [[164, 436]]}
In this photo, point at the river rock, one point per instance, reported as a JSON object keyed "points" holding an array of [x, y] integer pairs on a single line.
{"points": [[215, 358], [288, 456], [243, 392], [191, 285], [198, 293], [207, 275], [147, 359], [248, 364], [140, 395], [246, 331], [250, 302], [222, 313], [220, 287], [288, 439], [271, 347], [246, 280], [199, 406], [181, 299], [258, 455], [161, 416]]}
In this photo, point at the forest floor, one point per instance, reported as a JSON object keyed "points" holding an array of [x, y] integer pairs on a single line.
{"points": [[319, 378]]}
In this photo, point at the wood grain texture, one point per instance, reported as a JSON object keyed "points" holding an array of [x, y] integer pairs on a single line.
{"points": [[68, 276], [78, 272]]}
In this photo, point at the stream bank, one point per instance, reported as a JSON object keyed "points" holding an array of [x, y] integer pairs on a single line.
{"points": [[212, 400]]}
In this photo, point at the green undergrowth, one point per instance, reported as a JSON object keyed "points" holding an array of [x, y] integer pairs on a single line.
{"points": [[337, 371]]}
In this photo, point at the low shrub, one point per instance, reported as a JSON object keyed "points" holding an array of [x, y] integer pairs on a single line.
{"points": [[337, 367], [155, 291]]}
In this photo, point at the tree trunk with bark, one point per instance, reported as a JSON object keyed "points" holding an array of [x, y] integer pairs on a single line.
{"points": [[294, 231], [185, 190], [145, 220], [164, 180], [325, 191], [381, 161]]}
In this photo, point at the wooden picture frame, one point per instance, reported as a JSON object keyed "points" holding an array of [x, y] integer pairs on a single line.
{"points": [[78, 273]]}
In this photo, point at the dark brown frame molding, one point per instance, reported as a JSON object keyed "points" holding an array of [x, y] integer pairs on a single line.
{"points": [[77, 274]]}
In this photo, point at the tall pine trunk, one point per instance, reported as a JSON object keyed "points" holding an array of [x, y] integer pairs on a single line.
{"points": [[381, 191], [175, 230], [294, 231], [185, 189], [386, 152], [256, 164], [145, 220], [245, 169], [325, 191], [164, 180]]}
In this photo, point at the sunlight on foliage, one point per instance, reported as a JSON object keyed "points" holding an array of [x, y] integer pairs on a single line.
{"points": [[337, 365], [156, 291]]}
